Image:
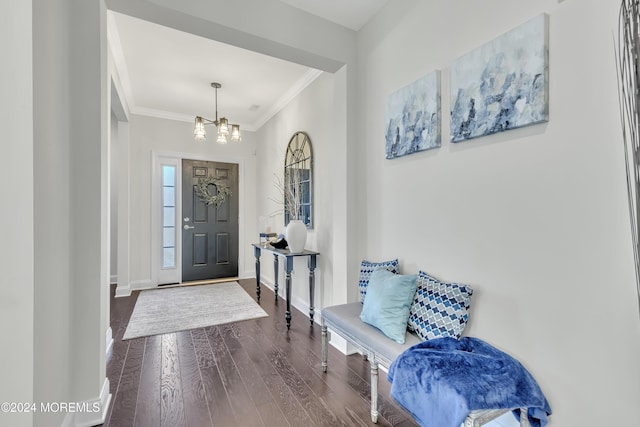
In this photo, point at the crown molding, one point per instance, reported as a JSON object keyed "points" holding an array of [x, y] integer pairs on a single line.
{"points": [[120, 64], [170, 115], [114, 43], [161, 114], [300, 85], [288, 96]]}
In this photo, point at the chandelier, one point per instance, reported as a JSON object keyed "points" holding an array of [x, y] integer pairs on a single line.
{"points": [[223, 127]]}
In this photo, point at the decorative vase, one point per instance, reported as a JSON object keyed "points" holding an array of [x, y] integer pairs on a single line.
{"points": [[296, 235]]}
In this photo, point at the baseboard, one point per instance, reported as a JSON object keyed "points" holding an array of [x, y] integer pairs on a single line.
{"points": [[296, 302], [268, 283], [113, 279], [139, 285], [91, 412], [136, 285], [248, 274], [123, 291], [342, 345], [303, 306]]}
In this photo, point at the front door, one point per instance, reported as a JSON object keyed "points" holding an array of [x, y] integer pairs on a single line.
{"points": [[209, 232]]}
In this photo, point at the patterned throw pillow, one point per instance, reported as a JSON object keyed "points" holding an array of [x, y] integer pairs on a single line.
{"points": [[439, 309], [367, 267]]}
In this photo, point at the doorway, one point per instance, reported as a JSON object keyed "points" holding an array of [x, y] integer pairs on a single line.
{"points": [[210, 232]]}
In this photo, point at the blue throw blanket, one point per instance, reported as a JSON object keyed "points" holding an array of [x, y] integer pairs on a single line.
{"points": [[441, 380]]}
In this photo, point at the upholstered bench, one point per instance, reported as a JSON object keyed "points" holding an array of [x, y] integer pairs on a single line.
{"points": [[396, 312], [344, 320]]}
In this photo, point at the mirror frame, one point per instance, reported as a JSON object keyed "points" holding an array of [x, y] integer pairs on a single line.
{"points": [[300, 152]]}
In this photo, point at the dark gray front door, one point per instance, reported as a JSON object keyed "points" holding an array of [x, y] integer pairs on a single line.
{"points": [[209, 233]]}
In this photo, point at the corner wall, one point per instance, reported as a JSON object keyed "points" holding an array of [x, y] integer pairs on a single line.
{"points": [[312, 111], [17, 249], [71, 298], [534, 219]]}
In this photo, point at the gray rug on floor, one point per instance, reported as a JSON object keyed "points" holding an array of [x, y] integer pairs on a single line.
{"points": [[160, 311]]}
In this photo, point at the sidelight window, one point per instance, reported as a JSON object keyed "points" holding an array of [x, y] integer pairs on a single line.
{"points": [[168, 216]]}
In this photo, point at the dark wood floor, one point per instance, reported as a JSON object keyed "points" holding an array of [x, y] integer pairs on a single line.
{"points": [[251, 373]]}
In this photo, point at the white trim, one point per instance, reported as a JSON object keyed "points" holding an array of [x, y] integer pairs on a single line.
{"points": [[156, 157], [342, 345], [161, 114], [288, 96], [248, 274], [109, 339], [113, 279], [297, 302], [123, 82], [90, 417], [113, 40], [138, 285], [300, 85], [179, 117], [118, 105], [123, 291], [123, 224]]}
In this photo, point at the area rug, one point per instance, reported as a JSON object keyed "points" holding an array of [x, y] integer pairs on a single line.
{"points": [[160, 311]]}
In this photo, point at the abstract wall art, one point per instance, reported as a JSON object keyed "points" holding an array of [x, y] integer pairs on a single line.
{"points": [[412, 117], [503, 84]]}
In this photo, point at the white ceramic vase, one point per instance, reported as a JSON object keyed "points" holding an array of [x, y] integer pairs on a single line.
{"points": [[296, 235]]}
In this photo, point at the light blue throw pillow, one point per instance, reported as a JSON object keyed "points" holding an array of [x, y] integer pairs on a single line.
{"points": [[388, 301]]}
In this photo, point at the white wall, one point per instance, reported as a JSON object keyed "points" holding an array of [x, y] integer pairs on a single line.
{"points": [[311, 112], [113, 198], [17, 249], [149, 135], [51, 221], [534, 219], [71, 300]]}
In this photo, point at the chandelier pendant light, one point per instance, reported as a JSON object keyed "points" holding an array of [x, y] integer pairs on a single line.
{"points": [[224, 129]]}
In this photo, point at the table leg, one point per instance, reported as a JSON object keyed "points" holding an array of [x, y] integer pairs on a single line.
{"points": [[275, 275], [256, 253], [312, 285], [287, 282]]}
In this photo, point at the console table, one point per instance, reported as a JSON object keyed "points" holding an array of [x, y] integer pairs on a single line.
{"points": [[288, 268]]}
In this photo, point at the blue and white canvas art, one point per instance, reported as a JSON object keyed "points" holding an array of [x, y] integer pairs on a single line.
{"points": [[412, 117], [502, 85]]}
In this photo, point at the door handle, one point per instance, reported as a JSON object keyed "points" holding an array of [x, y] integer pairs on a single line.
{"points": [[188, 227]]}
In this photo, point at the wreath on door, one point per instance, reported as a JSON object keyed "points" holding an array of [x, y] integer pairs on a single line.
{"points": [[202, 188]]}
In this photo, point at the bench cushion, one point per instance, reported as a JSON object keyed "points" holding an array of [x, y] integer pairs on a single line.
{"points": [[345, 320]]}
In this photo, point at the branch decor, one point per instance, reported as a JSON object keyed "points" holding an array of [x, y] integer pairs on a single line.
{"points": [[289, 191], [628, 67], [202, 188]]}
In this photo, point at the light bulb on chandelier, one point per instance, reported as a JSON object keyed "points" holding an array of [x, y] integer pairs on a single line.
{"points": [[222, 125]]}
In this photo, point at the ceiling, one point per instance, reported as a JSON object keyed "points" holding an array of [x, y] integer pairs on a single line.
{"points": [[168, 73], [352, 14]]}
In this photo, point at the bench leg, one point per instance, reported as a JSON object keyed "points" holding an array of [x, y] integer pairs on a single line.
{"points": [[325, 348], [374, 388]]}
